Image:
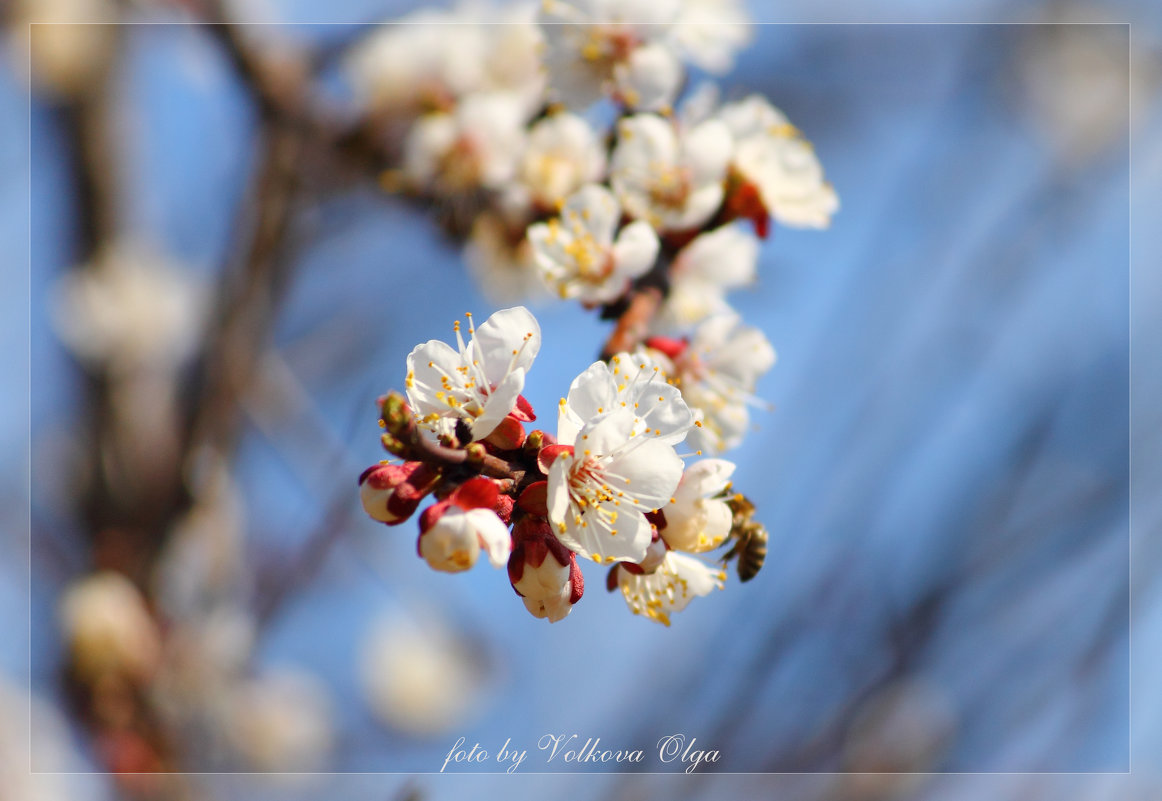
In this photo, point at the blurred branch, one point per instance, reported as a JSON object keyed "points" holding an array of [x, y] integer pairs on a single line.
{"points": [[123, 525], [249, 294], [634, 322]]}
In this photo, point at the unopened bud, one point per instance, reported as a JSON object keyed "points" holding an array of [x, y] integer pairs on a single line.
{"points": [[475, 453], [534, 440], [544, 572], [453, 531], [396, 414], [508, 435], [391, 492]]}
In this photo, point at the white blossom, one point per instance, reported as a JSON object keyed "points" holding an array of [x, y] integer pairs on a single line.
{"points": [[701, 274], [108, 628], [698, 518], [432, 58], [717, 372], [598, 494], [561, 155], [635, 382], [418, 675], [672, 178], [670, 588], [578, 254], [611, 47], [479, 381], [280, 721], [773, 155], [474, 146], [649, 78], [129, 309], [67, 43], [502, 262], [709, 32]]}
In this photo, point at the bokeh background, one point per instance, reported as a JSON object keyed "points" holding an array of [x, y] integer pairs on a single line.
{"points": [[946, 475]]}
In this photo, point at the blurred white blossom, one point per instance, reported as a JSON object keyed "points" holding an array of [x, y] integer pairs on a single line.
{"points": [[582, 254], [605, 47], [633, 51], [672, 178], [429, 60], [701, 274], [474, 146], [500, 259], [280, 721], [772, 155], [717, 371], [633, 381], [69, 41], [130, 309], [108, 628], [562, 154], [419, 676], [709, 32]]}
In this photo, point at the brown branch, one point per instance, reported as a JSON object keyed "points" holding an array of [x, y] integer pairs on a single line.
{"points": [[250, 294], [436, 455], [634, 322]]}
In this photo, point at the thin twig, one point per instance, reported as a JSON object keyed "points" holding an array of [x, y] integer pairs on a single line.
{"points": [[634, 322]]}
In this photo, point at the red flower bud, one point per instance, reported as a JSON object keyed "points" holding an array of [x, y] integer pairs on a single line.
{"points": [[391, 492]]}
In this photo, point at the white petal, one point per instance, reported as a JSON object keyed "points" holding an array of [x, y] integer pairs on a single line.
{"points": [[608, 434], [751, 116], [554, 608], [562, 154], [643, 139], [652, 469], [701, 578], [549, 579], [707, 149], [704, 478], [493, 534], [636, 249], [596, 541], [596, 208], [558, 490], [670, 589], [665, 414], [726, 256], [650, 79], [590, 395], [697, 526], [709, 32], [427, 365], [689, 302], [700, 206], [500, 402], [428, 140], [510, 338]]}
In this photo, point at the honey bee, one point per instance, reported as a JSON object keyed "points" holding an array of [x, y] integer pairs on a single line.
{"points": [[750, 539]]}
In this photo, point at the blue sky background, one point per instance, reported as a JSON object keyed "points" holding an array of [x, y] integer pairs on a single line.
{"points": [[949, 455]]}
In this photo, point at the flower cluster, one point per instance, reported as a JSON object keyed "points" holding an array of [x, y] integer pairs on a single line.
{"points": [[608, 486], [651, 219], [494, 126]]}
